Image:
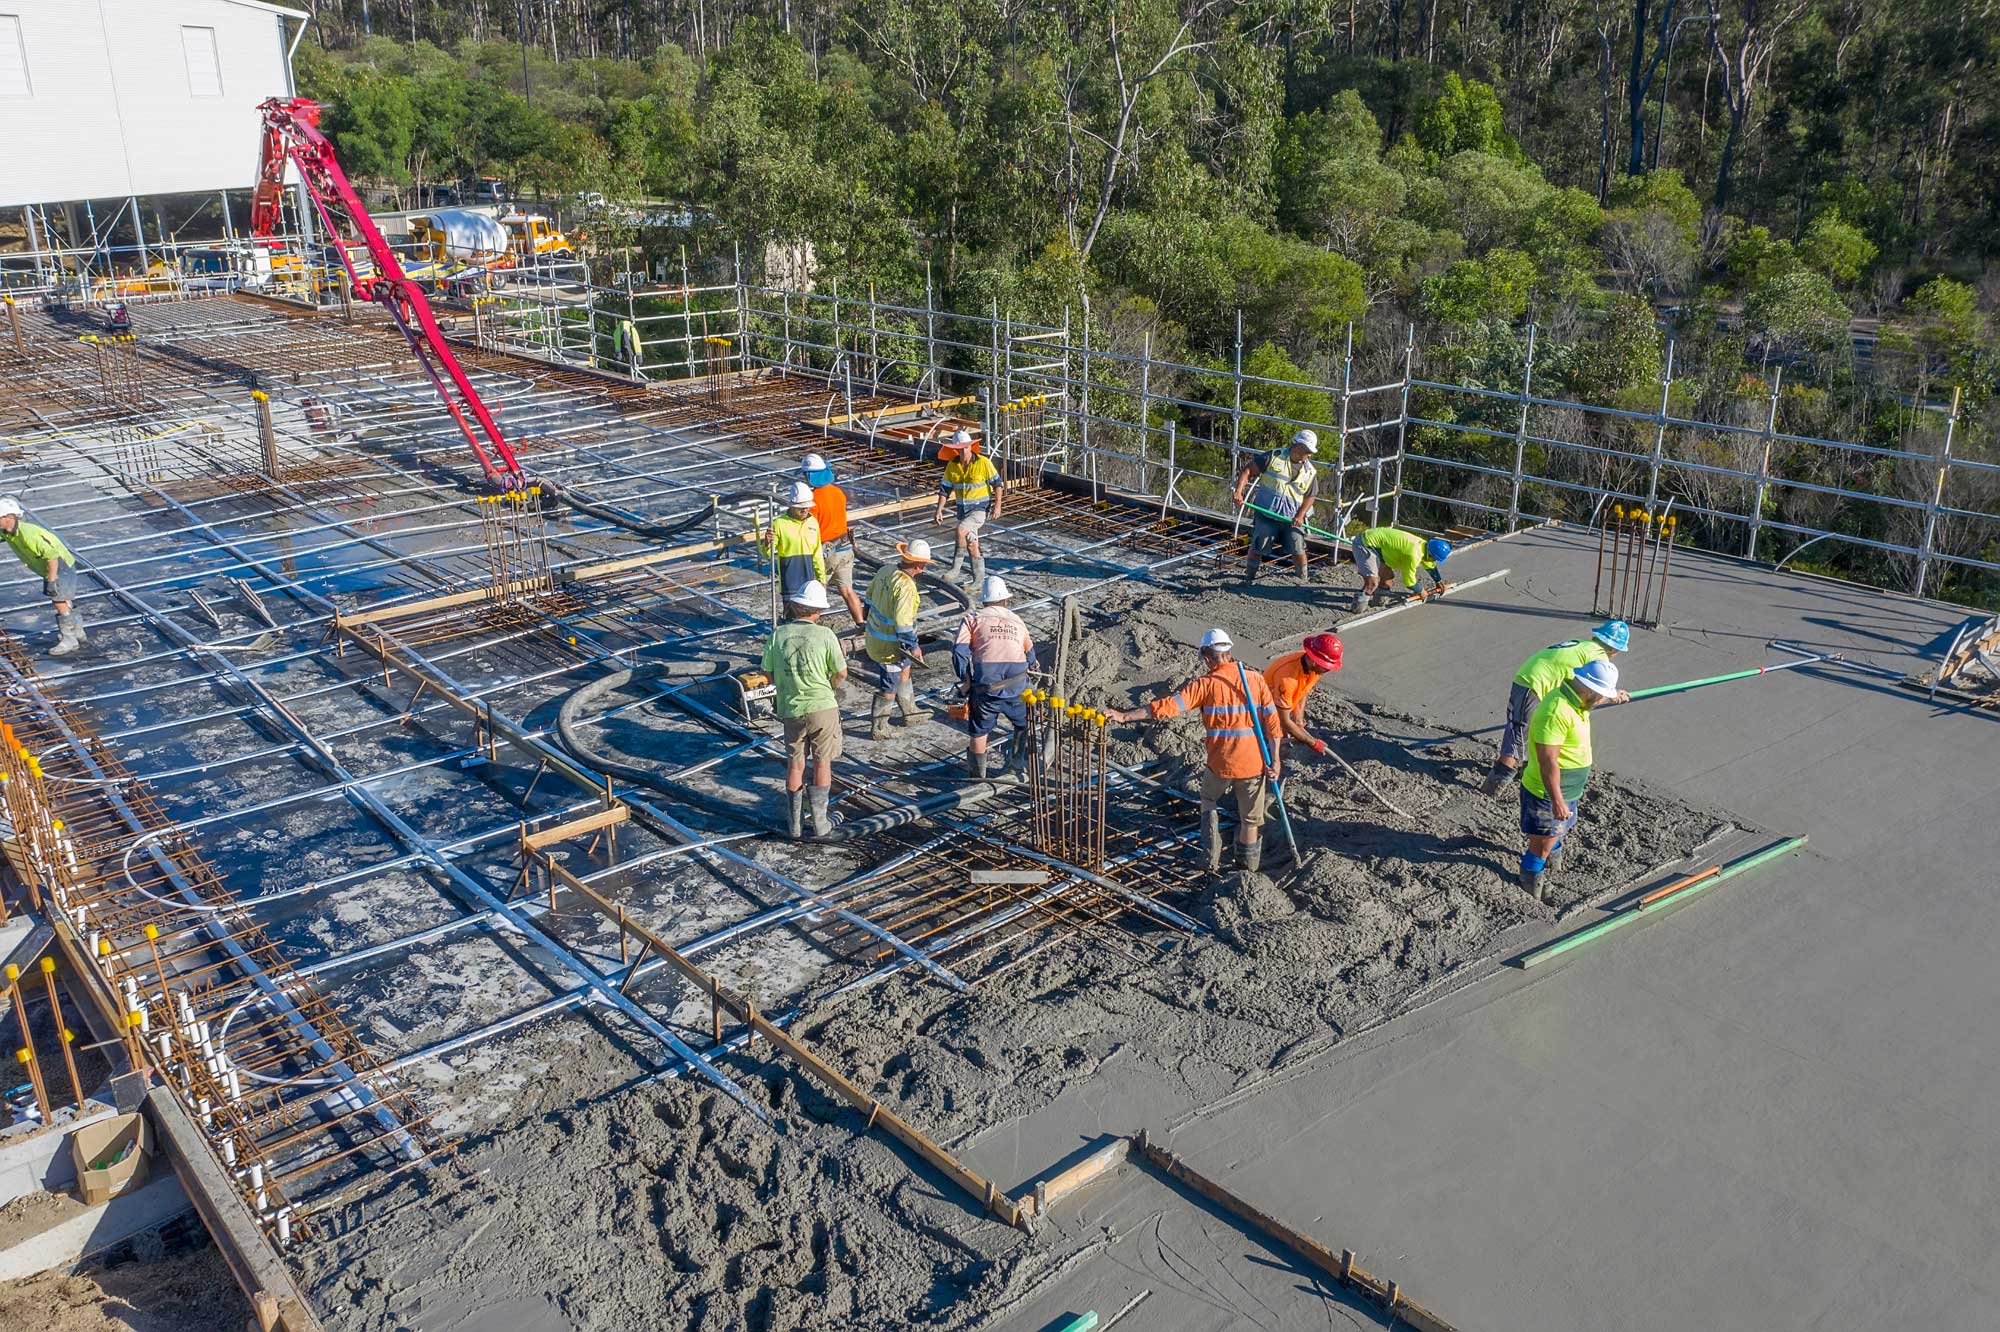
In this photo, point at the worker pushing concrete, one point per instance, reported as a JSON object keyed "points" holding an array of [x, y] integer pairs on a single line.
{"points": [[44, 553], [1286, 484], [836, 540], [795, 542], [1384, 554], [1240, 719], [807, 668], [1553, 781], [1292, 678], [892, 634], [973, 484], [992, 656], [1538, 675]]}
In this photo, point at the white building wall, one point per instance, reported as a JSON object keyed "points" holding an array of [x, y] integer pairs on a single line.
{"points": [[110, 111]]}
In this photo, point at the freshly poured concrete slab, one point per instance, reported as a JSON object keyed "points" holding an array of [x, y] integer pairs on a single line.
{"points": [[1771, 1108]]}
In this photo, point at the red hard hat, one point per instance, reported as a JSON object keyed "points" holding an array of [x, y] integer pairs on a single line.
{"points": [[1323, 651]]}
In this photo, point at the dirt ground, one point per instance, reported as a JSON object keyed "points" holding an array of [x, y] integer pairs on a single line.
{"points": [[151, 1285], [664, 1205]]}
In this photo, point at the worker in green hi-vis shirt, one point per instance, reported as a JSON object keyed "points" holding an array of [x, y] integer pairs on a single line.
{"points": [[1552, 782], [1538, 677], [44, 553]]}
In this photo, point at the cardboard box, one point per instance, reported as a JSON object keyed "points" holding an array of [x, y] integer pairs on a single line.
{"points": [[111, 1156]]}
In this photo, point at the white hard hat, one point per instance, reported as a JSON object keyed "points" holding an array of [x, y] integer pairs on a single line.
{"points": [[813, 463], [1307, 440], [801, 496], [1599, 677], [918, 550], [812, 596], [1217, 638], [961, 437], [10, 507], [993, 589]]}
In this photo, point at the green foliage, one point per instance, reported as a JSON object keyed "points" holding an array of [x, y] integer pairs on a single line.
{"points": [[1332, 184], [1465, 118], [1833, 248], [1474, 290], [372, 127], [1302, 405], [1756, 258], [1797, 308]]}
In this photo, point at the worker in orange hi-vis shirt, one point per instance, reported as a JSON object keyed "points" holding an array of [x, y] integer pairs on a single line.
{"points": [[836, 541], [1292, 678], [1239, 726]]}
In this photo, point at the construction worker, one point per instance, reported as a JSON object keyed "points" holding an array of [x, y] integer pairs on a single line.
{"points": [[992, 657], [1384, 554], [973, 484], [1538, 675], [629, 349], [44, 553], [892, 634], [1286, 483], [805, 663], [1553, 780], [1293, 676], [795, 542], [1233, 720], [836, 541]]}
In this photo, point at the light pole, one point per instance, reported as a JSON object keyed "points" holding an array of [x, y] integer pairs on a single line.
{"points": [[1660, 125]]}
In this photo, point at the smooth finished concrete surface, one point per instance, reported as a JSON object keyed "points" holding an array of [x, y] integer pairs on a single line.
{"points": [[1771, 1108]]}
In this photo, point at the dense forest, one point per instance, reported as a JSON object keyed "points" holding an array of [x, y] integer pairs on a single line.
{"points": [[1805, 184]]}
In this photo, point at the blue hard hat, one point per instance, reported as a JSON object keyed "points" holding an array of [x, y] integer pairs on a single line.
{"points": [[1614, 634], [1437, 549]]}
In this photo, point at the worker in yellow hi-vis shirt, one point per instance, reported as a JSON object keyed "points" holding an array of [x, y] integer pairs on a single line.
{"points": [[973, 484], [44, 553]]}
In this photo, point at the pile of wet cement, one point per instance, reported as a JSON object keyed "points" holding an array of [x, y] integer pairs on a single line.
{"points": [[667, 1206]]}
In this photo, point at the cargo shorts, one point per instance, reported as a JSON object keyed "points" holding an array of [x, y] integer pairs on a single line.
{"points": [[1249, 793], [1273, 536], [1538, 815], [971, 521], [1367, 560], [813, 734], [65, 582], [839, 567]]}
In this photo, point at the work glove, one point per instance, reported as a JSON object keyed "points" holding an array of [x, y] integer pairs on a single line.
{"points": [[49, 589], [1319, 747]]}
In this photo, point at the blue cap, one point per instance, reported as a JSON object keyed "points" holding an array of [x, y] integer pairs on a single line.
{"points": [[1438, 550], [1614, 634]]}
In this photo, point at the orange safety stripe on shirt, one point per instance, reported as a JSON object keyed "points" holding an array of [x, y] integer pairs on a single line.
{"points": [[1290, 681]]}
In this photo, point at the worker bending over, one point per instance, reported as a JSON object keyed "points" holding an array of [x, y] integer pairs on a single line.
{"points": [[807, 668], [1384, 554], [836, 541], [1537, 676], [1286, 483], [892, 634], [973, 484], [1293, 676], [795, 542], [992, 656], [44, 553], [1233, 720], [1554, 779]]}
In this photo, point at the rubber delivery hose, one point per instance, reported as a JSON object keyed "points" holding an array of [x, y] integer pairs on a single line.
{"points": [[654, 777]]}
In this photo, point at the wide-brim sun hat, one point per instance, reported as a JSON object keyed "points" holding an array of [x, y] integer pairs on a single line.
{"points": [[918, 551]]}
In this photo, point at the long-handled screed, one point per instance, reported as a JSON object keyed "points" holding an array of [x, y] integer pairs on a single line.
{"points": [[1658, 690], [1264, 750]]}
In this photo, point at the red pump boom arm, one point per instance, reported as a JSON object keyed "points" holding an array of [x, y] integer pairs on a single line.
{"points": [[291, 133]]}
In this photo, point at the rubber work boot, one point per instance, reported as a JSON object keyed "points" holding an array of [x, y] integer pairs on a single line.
{"points": [[957, 562], [1017, 758], [1533, 883], [823, 819], [1496, 777], [1211, 837], [70, 635], [975, 764], [906, 700], [978, 576], [1556, 858], [878, 718], [1250, 855], [797, 801]]}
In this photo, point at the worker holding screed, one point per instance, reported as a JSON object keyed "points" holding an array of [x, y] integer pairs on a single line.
{"points": [[45, 554], [1383, 554], [972, 483], [1553, 781], [807, 668], [892, 634], [1286, 484], [992, 656], [1538, 675], [1236, 711], [836, 539]]}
